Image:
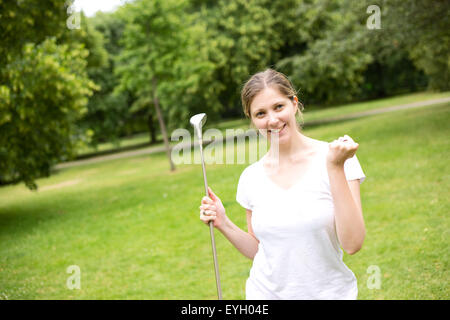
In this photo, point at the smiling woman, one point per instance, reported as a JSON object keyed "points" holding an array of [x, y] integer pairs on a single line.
{"points": [[302, 202]]}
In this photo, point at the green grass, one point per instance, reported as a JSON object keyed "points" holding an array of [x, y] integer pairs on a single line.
{"points": [[133, 140], [317, 113], [133, 229]]}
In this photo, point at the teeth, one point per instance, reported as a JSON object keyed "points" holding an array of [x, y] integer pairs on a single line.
{"points": [[276, 130]]}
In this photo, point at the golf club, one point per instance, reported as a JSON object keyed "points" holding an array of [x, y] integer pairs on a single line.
{"points": [[197, 122]]}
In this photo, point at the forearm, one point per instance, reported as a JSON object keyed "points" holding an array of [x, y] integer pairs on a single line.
{"points": [[348, 215], [243, 241]]}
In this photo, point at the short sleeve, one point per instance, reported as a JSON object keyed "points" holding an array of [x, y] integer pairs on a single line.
{"points": [[242, 194], [353, 169]]}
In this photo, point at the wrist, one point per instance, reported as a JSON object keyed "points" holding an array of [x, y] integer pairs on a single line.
{"points": [[225, 225], [335, 166]]}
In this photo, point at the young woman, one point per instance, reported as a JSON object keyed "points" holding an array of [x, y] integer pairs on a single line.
{"points": [[302, 203]]}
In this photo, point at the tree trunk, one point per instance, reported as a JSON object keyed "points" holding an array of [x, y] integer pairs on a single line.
{"points": [[162, 125], [151, 129]]}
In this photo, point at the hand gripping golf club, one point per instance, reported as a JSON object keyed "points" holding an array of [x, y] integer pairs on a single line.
{"points": [[197, 122]]}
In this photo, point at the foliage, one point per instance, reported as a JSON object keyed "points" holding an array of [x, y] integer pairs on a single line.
{"points": [[46, 91], [43, 89], [23, 21], [159, 60], [107, 111], [423, 28], [346, 61], [244, 37]]}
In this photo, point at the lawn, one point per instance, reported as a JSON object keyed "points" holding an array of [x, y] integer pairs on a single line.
{"points": [[132, 227], [316, 113]]}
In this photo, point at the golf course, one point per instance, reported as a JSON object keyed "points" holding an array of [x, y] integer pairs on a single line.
{"points": [[131, 226]]}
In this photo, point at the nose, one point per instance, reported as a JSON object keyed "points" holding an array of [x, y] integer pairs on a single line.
{"points": [[272, 120]]}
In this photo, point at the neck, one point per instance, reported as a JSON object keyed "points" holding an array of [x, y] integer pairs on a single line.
{"points": [[292, 149]]}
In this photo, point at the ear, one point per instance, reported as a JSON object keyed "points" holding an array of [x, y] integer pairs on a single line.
{"points": [[295, 102]]}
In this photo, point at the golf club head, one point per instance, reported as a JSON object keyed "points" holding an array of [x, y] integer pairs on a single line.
{"points": [[197, 122]]}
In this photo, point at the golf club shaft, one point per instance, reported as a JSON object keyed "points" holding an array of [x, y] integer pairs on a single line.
{"points": [[211, 228]]}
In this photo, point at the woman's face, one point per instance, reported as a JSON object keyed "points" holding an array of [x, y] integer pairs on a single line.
{"points": [[270, 110]]}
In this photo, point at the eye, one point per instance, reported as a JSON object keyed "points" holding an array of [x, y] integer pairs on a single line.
{"points": [[279, 106], [259, 114]]}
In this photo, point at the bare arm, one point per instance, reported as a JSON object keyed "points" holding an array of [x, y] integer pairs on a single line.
{"points": [[245, 242], [348, 211]]}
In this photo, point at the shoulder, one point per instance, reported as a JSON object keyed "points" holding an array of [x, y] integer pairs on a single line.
{"points": [[251, 169], [252, 174], [248, 180], [322, 144], [319, 147]]}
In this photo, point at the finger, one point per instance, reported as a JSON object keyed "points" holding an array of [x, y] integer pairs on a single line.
{"points": [[207, 207], [204, 215], [207, 219], [210, 213], [206, 200], [336, 143], [212, 195], [349, 138]]}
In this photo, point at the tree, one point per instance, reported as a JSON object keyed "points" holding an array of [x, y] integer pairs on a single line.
{"points": [[330, 67], [423, 29], [44, 93], [343, 60], [153, 42], [43, 89], [242, 37], [238, 39], [24, 21], [108, 112]]}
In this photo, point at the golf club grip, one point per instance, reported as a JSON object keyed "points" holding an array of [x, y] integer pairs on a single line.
{"points": [[216, 265]]}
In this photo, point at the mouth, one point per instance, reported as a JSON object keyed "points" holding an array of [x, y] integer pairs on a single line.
{"points": [[280, 130]]}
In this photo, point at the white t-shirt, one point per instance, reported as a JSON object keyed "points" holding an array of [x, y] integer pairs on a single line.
{"points": [[299, 255]]}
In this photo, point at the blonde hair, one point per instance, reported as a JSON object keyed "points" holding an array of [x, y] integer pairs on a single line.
{"points": [[268, 78]]}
